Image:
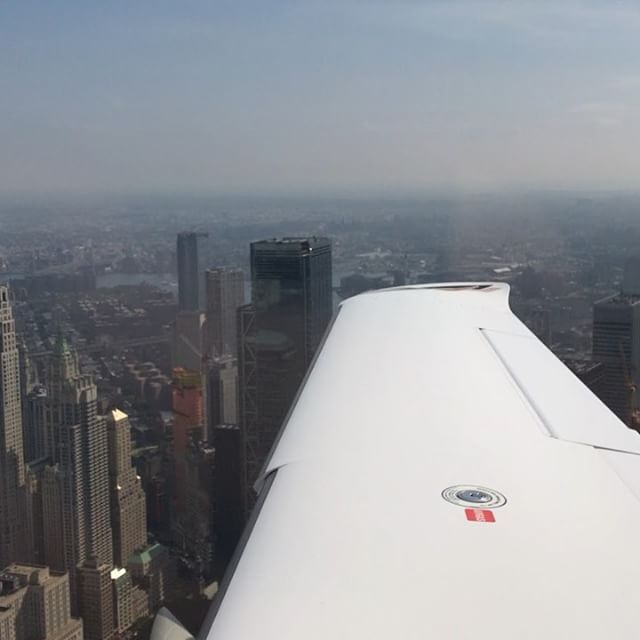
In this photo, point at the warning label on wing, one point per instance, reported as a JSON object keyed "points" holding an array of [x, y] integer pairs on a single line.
{"points": [[480, 515]]}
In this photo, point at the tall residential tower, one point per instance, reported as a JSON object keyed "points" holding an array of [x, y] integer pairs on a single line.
{"points": [[225, 293]]}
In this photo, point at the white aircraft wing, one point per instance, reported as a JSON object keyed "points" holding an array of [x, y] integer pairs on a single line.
{"points": [[441, 476]]}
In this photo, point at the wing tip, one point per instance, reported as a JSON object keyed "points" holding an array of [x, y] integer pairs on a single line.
{"points": [[495, 293]]}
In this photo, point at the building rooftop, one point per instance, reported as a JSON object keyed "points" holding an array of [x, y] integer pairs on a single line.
{"points": [[198, 234], [19, 575], [292, 243], [289, 240], [146, 555], [118, 415]]}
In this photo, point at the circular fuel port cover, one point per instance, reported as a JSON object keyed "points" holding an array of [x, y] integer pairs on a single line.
{"points": [[470, 495]]}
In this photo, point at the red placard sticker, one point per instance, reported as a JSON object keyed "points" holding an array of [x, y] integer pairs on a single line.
{"points": [[480, 515]]}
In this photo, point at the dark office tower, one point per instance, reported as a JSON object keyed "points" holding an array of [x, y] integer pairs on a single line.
{"points": [[280, 332], [292, 291], [78, 483], [190, 271], [616, 344], [13, 502], [228, 516], [225, 293]]}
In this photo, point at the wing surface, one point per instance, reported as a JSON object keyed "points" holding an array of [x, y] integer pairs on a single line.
{"points": [[416, 390]]}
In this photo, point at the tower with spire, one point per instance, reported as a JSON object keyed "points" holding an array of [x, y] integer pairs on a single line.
{"points": [[78, 485]]}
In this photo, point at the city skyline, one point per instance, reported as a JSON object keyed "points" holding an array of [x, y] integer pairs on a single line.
{"points": [[101, 388]]}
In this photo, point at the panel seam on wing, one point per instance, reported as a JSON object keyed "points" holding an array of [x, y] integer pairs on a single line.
{"points": [[546, 428], [542, 424]]}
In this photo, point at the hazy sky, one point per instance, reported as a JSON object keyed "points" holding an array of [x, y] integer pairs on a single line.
{"points": [[328, 95]]}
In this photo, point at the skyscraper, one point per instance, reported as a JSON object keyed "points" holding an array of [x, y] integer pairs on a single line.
{"points": [[616, 344], [222, 393], [13, 503], [37, 541], [189, 329], [225, 293], [292, 291], [77, 486], [631, 278], [31, 428], [128, 504], [280, 331], [34, 422], [51, 501], [190, 271], [193, 525], [187, 407], [187, 403], [188, 340], [228, 517]]}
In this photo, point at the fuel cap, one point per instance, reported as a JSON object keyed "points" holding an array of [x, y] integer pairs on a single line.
{"points": [[466, 495]]}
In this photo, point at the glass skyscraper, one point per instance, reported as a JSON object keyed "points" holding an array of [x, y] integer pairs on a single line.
{"points": [[190, 271], [280, 332], [616, 344]]}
